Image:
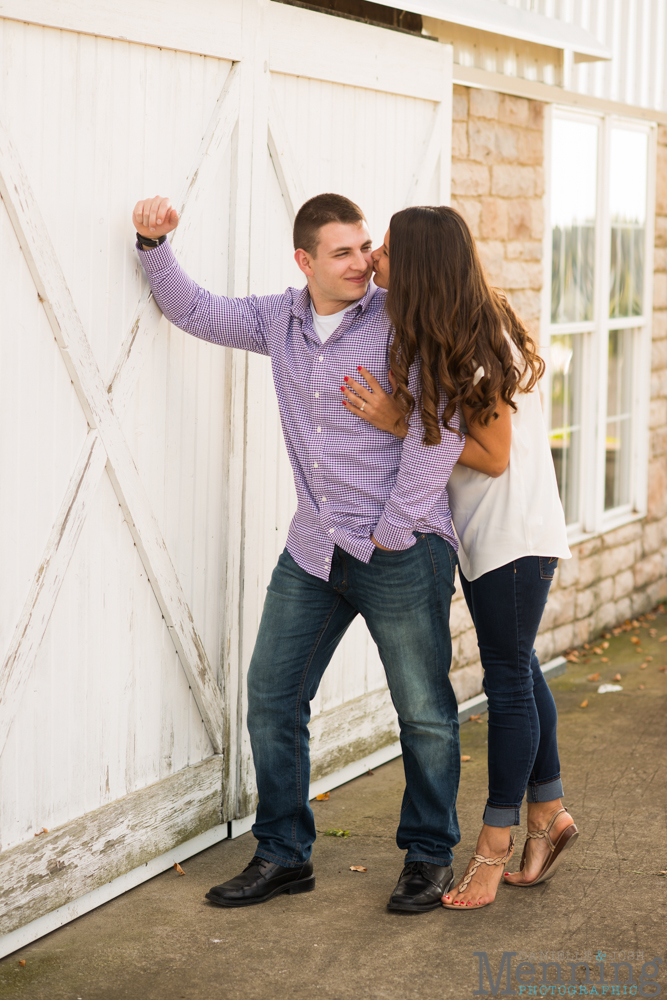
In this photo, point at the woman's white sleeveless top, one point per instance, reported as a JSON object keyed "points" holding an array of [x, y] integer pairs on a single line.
{"points": [[519, 513]]}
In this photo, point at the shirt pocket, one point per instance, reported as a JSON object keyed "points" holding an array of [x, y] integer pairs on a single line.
{"points": [[548, 566]]}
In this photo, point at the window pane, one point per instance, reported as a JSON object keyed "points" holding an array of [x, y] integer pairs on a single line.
{"points": [[565, 434], [629, 157], [573, 209], [619, 421]]}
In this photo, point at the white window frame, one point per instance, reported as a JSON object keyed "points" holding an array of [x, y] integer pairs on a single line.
{"points": [[594, 520]]}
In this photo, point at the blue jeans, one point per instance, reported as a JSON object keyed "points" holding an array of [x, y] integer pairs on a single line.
{"points": [[506, 606], [404, 598]]}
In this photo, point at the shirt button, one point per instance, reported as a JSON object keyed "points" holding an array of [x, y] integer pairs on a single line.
{"points": [[331, 531], [326, 560], [321, 357], [316, 465], [317, 395], [324, 499], [319, 430]]}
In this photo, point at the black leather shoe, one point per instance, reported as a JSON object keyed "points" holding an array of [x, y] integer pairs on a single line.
{"points": [[261, 880], [421, 887]]}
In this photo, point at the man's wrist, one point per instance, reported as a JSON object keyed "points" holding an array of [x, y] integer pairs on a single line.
{"points": [[148, 243]]}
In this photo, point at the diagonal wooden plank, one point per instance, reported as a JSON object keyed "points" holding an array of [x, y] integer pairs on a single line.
{"points": [[139, 340], [29, 632], [283, 158], [432, 147], [65, 322]]}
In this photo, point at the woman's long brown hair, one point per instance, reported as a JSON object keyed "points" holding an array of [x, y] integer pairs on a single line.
{"points": [[443, 310]]}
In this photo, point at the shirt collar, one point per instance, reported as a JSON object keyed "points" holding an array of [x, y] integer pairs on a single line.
{"points": [[301, 302]]}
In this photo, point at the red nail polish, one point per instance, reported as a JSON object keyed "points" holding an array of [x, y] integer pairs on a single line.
{"points": [[345, 379], [358, 368], [342, 388]]}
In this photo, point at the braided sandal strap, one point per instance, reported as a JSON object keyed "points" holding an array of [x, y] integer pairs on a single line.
{"points": [[544, 834], [479, 859]]}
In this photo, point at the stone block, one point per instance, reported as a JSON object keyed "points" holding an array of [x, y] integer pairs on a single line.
{"points": [[482, 140], [470, 178], [471, 210], [660, 259], [483, 103], [621, 536], [659, 324], [459, 140], [467, 681], [589, 547], [659, 288], [660, 231], [642, 601], [544, 646], [657, 489], [568, 570], [624, 584], [649, 569], [459, 619], [536, 115], [605, 590], [466, 647], [658, 354], [657, 413], [659, 384], [586, 602], [492, 258], [563, 638], [661, 182], [522, 274], [493, 220], [560, 608], [460, 103], [583, 630], [655, 533], [623, 610], [530, 147], [590, 569], [605, 616], [520, 219], [539, 181], [527, 305], [658, 442], [523, 249], [618, 558], [537, 218], [514, 110], [514, 181]]}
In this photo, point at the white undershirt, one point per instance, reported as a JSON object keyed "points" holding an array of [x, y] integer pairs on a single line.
{"points": [[326, 325]]}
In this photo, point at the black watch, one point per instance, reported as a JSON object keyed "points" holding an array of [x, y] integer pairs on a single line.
{"points": [[146, 241]]}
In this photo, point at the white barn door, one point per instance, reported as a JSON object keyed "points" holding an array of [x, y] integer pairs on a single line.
{"points": [[364, 112]]}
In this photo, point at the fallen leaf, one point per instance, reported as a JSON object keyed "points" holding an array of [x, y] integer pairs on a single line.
{"points": [[358, 868], [323, 797], [643, 666], [663, 638], [638, 649], [616, 677], [594, 677], [662, 669], [22, 960], [635, 639], [178, 868], [572, 658], [371, 772], [605, 635], [641, 687], [40, 832], [605, 659], [466, 757], [597, 651], [605, 645], [336, 832], [474, 718], [648, 658], [662, 873], [584, 703], [586, 646]]}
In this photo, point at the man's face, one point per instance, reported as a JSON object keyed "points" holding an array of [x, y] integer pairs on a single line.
{"points": [[341, 269], [381, 263]]}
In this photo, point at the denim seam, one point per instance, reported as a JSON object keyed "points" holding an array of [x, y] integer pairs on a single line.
{"points": [[297, 751], [545, 781], [261, 853], [533, 745]]}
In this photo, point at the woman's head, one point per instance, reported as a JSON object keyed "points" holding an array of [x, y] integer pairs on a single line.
{"points": [[442, 308]]}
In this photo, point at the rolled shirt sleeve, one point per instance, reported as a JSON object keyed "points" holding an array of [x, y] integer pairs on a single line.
{"points": [[421, 483]]}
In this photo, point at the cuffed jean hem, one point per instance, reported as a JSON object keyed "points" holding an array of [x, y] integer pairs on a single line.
{"points": [[443, 862], [259, 853], [502, 815], [544, 792]]}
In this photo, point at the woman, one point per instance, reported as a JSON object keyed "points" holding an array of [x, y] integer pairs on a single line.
{"points": [[506, 511]]}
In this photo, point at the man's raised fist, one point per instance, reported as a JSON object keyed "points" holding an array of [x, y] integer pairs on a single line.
{"points": [[154, 217]]}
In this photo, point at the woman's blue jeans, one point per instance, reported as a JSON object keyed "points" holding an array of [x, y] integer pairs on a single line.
{"points": [[506, 606], [404, 598]]}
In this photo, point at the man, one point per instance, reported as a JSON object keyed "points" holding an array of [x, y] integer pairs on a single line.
{"points": [[372, 535]]}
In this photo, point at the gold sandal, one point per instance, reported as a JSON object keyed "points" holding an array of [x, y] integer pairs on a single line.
{"points": [[566, 838], [476, 861]]}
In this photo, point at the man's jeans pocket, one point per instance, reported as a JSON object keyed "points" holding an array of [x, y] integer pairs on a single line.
{"points": [[548, 566]]}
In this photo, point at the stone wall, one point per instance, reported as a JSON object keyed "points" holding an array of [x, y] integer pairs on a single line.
{"points": [[497, 185]]}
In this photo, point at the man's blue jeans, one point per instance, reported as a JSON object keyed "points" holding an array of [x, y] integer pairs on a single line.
{"points": [[404, 598]]}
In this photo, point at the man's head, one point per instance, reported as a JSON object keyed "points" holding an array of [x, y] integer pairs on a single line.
{"points": [[333, 249]]}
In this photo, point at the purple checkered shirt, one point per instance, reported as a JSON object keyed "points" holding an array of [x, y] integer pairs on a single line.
{"points": [[352, 480]]}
